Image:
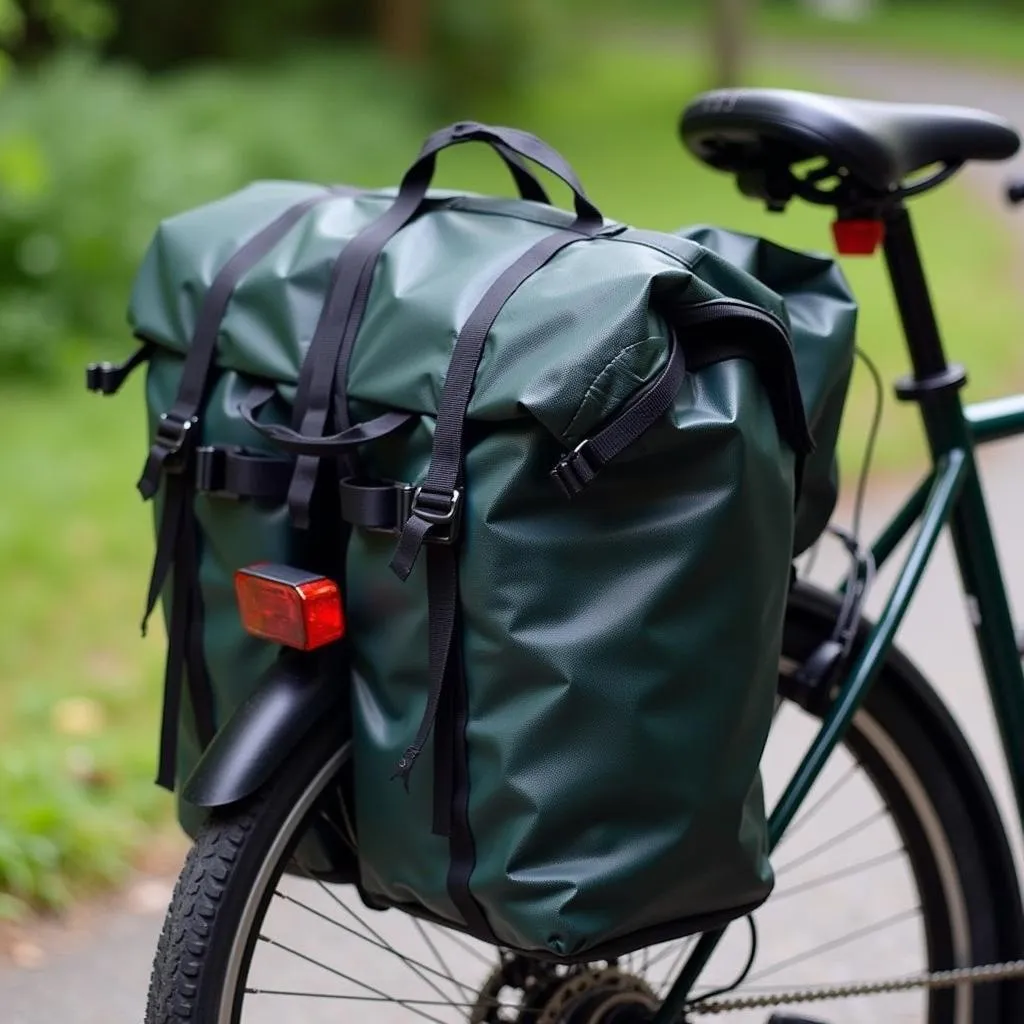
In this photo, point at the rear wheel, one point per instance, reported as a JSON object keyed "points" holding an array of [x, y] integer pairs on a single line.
{"points": [[898, 864]]}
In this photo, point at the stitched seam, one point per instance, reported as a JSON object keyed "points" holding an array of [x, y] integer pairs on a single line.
{"points": [[594, 387]]}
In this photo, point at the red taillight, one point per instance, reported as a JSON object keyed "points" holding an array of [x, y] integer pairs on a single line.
{"points": [[858, 237], [295, 608]]}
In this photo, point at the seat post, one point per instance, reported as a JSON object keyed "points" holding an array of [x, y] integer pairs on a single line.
{"points": [[913, 298]]}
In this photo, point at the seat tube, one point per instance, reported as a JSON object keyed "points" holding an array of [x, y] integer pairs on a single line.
{"points": [[913, 298], [935, 386]]}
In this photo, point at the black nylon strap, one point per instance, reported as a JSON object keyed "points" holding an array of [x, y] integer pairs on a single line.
{"points": [[330, 349], [175, 431], [177, 541], [192, 389], [581, 466], [171, 522], [333, 339], [444, 476], [446, 455], [461, 846], [185, 659], [174, 669], [442, 604], [446, 737], [199, 689]]}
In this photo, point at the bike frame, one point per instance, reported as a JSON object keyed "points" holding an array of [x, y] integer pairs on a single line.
{"points": [[950, 495]]}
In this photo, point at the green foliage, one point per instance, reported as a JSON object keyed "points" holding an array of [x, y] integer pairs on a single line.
{"points": [[165, 34], [489, 52], [55, 827], [93, 156], [89, 20], [76, 793]]}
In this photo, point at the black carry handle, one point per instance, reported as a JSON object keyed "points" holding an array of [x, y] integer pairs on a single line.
{"points": [[336, 444], [417, 179], [529, 187]]}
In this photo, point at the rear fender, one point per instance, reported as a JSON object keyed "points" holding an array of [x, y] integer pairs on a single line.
{"points": [[296, 693]]}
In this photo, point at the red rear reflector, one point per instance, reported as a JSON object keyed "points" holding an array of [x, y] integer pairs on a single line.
{"points": [[292, 607], [858, 237]]}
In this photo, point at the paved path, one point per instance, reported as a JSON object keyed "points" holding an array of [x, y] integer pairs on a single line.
{"points": [[97, 973]]}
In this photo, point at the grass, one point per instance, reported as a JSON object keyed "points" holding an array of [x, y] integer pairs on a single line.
{"points": [[964, 32], [79, 691], [77, 704], [984, 33]]}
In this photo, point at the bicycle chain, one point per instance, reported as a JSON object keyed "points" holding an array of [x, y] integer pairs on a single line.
{"points": [[936, 980]]}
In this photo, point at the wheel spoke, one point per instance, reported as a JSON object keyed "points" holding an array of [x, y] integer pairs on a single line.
{"points": [[834, 841], [417, 968], [668, 951], [685, 948], [411, 1005], [349, 997], [811, 811], [828, 947], [848, 872], [442, 963], [471, 950], [346, 838], [447, 976]]}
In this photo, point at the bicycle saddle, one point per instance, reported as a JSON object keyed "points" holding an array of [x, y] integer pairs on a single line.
{"points": [[879, 143]]}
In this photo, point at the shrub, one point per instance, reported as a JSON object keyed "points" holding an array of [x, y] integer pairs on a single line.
{"points": [[93, 156]]}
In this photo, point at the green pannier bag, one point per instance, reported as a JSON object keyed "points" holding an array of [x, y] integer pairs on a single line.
{"points": [[560, 467]]}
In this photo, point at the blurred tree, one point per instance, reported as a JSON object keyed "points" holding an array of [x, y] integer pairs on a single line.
{"points": [[468, 51], [730, 24], [32, 28], [403, 28], [163, 34], [484, 52]]}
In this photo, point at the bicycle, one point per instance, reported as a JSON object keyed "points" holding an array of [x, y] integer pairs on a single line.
{"points": [[859, 719]]}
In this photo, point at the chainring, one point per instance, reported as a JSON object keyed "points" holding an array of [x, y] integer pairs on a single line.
{"points": [[536, 981], [591, 993], [583, 995]]}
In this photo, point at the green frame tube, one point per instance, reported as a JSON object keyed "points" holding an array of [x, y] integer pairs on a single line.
{"points": [[996, 420]]}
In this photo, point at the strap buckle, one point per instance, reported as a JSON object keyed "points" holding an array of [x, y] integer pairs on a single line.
{"points": [[442, 510], [405, 500], [103, 378], [172, 434], [211, 472], [391, 523], [106, 378], [577, 470]]}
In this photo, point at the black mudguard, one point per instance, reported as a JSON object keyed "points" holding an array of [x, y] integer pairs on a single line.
{"points": [[297, 692]]}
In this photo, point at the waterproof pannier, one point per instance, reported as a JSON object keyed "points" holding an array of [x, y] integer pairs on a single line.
{"points": [[559, 467]]}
